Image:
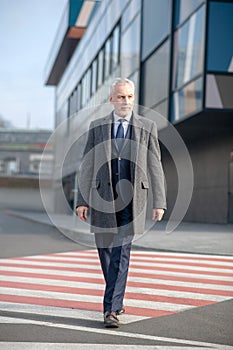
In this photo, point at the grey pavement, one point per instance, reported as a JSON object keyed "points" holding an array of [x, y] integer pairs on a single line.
{"points": [[188, 237]]}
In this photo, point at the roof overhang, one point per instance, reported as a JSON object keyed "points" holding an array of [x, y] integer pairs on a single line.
{"points": [[74, 22]]}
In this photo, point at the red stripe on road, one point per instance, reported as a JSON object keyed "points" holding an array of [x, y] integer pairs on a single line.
{"points": [[180, 278], [183, 257], [56, 268], [92, 254], [141, 267], [79, 305], [161, 261], [132, 274], [97, 292], [53, 277], [51, 302], [181, 288], [129, 283]]}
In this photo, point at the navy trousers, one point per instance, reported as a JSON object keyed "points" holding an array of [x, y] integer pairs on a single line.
{"points": [[114, 253]]}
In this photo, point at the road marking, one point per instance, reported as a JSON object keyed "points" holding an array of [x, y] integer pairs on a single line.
{"points": [[146, 291], [72, 346], [129, 335], [77, 314], [149, 304], [136, 277], [135, 258], [149, 267], [160, 285]]}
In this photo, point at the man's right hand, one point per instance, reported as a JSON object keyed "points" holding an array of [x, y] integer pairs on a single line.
{"points": [[82, 212]]}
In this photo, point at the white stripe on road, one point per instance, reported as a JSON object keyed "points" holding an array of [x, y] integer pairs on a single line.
{"points": [[97, 266], [92, 286], [89, 346], [77, 314], [93, 299], [133, 258], [127, 335], [137, 253], [133, 279]]}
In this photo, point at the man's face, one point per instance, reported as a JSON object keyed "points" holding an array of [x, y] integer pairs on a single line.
{"points": [[122, 99]]}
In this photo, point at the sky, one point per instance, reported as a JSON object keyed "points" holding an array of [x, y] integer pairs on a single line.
{"points": [[27, 31]]}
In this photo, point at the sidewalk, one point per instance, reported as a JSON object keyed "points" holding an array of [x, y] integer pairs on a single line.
{"points": [[194, 238]]}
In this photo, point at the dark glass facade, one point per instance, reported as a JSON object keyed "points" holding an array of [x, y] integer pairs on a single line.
{"points": [[220, 37], [130, 48], [188, 53], [156, 76], [219, 80], [183, 9], [156, 24]]}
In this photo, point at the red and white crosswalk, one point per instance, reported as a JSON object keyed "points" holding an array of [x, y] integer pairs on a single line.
{"points": [[71, 284]]}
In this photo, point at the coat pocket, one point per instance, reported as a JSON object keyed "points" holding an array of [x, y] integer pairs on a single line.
{"points": [[95, 183], [145, 184]]}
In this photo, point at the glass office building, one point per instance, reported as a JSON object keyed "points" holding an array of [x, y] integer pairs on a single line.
{"points": [[179, 53]]}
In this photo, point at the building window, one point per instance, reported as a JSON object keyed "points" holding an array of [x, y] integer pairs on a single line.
{"points": [[187, 100], [156, 24], [84, 90], [9, 166], [220, 37], [156, 76], [72, 103], [189, 50], [107, 58], [130, 48], [115, 48], [94, 77], [88, 84], [100, 67], [79, 97], [106, 61], [183, 8]]}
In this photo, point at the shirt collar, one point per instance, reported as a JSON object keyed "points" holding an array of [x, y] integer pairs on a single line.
{"points": [[116, 117]]}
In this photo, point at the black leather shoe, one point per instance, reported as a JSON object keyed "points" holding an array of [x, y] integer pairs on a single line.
{"points": [[121, 311], [111, 320]]}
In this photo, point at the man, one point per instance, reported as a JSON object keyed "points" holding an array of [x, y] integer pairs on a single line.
{"points": [[121, 155]]}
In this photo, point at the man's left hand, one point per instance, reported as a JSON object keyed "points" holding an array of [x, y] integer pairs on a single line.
{"points": [[157, 214]]}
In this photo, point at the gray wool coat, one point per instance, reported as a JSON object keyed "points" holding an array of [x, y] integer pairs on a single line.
{"points": [[95, 178]]}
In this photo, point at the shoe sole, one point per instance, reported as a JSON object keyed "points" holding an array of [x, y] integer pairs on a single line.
{"points": [[111, 325]]}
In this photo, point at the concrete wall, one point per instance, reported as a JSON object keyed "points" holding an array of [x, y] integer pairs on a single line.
{"points": [[23, 193], [210, 198]]}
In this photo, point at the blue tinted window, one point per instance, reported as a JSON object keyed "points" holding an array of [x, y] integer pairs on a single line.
{"points": [[220, 37], [183, 8], [189, 49], [187, 100]]}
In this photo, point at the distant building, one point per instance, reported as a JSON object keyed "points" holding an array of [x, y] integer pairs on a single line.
{"points": [[179, 53], [21, 152]]}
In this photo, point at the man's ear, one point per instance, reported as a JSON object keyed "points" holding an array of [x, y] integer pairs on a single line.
{"points": [[110, 99]]}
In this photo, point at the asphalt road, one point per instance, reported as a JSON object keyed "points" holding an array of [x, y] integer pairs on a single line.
{"points": [[207, 326]]}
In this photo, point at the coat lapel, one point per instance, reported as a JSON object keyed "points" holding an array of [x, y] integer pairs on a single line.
{"points": [[106, 133], [137, 128]]}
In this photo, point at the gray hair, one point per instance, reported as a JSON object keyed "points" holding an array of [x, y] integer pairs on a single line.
{"points": [[121, 81]]}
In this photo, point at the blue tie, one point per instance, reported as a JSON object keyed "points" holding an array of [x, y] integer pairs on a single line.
{"points": [[120, 134]]}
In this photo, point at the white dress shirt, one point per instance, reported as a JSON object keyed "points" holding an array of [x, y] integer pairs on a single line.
{"points": [[125, 123]]}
